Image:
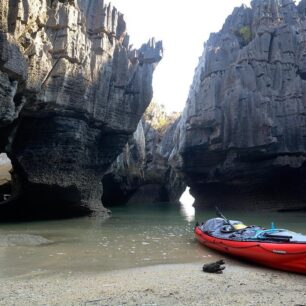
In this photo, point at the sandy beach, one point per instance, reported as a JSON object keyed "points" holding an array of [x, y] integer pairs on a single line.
{"points": [[182, 284]]}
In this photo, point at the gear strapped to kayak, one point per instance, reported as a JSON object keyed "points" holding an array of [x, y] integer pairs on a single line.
{"points": [[278, 248], [217, 227]]}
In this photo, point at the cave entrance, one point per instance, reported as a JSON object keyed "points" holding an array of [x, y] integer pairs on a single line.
{"points": [[35, 201], [5, 177], [302, 74], [187, 210]]}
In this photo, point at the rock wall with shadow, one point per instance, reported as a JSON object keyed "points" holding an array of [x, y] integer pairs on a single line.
{"points": [[72, 91], [241, 139], [143, 172]]}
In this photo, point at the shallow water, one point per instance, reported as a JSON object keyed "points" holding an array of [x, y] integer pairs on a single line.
{"points": [[135, 235]]}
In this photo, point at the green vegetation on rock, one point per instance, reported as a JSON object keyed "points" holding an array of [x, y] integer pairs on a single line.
{"points": [[246, 34], [156, 116]]}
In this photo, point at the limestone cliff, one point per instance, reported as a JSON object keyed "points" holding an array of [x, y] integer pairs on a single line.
{"points": [[72, 91], [242, 133], [142, 173]]}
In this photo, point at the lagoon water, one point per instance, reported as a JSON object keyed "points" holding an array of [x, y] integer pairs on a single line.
{"points": [[134, 236]]}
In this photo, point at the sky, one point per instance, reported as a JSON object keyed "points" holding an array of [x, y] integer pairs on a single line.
{"points": [[183, 27]]}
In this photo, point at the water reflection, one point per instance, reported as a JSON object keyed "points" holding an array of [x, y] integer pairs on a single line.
{"points": [[136, 235], [187, 210]]}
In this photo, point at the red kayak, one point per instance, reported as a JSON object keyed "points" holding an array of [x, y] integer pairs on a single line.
{"points": [[275, 248]]}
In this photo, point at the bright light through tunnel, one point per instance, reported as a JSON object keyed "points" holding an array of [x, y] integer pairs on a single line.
{"points": [[187, 209], [5, 176], [5, 167]]}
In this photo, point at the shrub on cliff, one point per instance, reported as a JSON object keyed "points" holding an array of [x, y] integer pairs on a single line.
{"points": [[156, 116], [244, 35]]}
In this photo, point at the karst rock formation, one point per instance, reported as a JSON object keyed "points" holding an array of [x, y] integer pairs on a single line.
{"points": [[143, 173], [242, 137], [72, 91]]}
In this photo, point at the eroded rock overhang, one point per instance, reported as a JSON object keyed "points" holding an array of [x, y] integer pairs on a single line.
{"points": [[72, 91]]}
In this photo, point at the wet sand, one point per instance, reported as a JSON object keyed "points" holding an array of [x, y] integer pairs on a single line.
{"points": [[182, 284]]}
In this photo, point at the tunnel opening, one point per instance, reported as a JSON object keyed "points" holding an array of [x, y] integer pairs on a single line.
{"points": [[302, 74], [126, 191], [40, 202], [114, 192], [23, 201]]}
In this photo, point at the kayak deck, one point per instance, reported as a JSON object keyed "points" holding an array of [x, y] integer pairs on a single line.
{"points": [[288, 256]]}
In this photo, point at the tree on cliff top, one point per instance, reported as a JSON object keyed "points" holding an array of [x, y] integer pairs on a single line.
{"points": [[156, 116]]}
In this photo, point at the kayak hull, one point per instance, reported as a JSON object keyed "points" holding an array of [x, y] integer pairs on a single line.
{"points": [[278, 255]]}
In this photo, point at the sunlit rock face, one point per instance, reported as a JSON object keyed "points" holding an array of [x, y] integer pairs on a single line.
{"points": [[242, 133], [143, 173], [72, 91]]}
